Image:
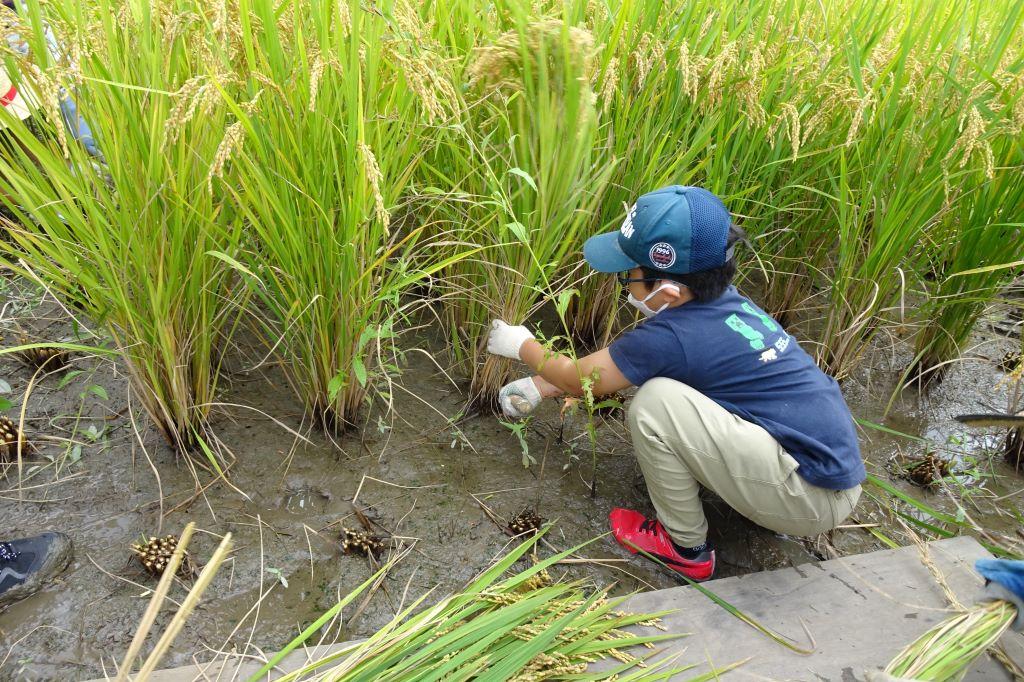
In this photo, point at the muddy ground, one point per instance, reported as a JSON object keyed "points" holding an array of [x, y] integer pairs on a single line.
{"points": [[416, 468]]}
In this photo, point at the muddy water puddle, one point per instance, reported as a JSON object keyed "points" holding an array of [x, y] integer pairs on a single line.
{"points": [[418, 474]]}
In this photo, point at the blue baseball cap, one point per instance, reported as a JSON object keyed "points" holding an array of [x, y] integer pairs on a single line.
{"points": [[676, 229]]}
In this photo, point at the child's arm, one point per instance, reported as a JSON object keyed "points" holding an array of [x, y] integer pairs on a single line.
{"points": [[563, 373], [568, 375]]}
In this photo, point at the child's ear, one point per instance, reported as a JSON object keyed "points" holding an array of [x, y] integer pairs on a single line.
{"points": [[674, 292]]}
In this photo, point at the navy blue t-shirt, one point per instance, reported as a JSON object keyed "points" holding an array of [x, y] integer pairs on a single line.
{"points": [[734, 353]]}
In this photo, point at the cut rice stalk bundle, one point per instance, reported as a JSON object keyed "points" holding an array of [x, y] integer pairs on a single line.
{"points": [[522, 627], [155, 555], [925, 471], [362, 542], [1010, 361], [526, 521], [946, 651]]}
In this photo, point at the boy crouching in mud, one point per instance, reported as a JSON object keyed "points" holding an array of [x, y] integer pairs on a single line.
{"points": [[727, 398]]}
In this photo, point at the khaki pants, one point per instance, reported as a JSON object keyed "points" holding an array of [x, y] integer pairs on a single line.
{"points": [[683, 439]]}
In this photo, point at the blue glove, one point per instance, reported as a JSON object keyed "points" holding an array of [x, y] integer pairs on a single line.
{"points": [[79, 128], [1004, 579]]}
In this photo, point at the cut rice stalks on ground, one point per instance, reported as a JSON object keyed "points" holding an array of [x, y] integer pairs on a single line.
{"points": [[522, 627], [946, 651], [149, 665]]}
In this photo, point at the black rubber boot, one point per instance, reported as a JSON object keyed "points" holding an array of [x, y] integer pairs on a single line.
{"points": [[28, 564]]}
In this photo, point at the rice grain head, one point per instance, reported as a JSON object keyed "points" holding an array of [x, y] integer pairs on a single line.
{"points": [[500, 65], [838, 97], [611, 82], [410, 24], [316, 71], [269, 82], [597, 13], [48, 90], [425, 74], [691, 68], [250, 106], [972, 131], [343, 17], [230, 145], [220, 18], [189, 98], [750, 88], [705, 26], [374, 177], [721, 66], [649, 54], [863, 105], [789, 120]]}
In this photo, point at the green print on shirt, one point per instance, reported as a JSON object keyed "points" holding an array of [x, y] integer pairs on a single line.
{"points": [[755, 337], [768, 322]]}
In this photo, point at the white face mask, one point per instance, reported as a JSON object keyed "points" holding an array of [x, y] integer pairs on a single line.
{"points": [[642, 305]]}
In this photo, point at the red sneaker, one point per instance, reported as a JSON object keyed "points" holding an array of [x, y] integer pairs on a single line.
{"points": [[633, 528]]}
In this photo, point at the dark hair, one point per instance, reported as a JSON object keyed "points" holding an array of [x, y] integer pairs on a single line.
{"points": [[706, 285]]}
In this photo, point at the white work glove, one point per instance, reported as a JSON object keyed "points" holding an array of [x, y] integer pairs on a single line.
{"points": [[519, 398], [505, 340]]}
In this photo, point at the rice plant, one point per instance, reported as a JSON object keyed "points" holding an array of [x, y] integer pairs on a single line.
{"points": [[891, 189], [525, 155], [980, 259], [649, 135], [316, 161], [128, 242]]}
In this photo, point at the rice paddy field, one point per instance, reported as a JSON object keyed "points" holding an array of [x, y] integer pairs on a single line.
{"points": [[262, 307]]}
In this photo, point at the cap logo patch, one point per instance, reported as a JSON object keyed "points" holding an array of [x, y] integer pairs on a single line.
{"points": [[662, 255]]}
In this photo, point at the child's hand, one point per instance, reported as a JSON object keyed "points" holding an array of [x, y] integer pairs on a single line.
{"points": [[519, 398], [505, 340]]}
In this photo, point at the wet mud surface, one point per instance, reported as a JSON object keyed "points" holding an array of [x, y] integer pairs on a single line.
{"points": [[420, 472]]}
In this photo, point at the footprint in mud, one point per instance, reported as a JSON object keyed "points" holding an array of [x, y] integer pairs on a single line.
{"points": [[303, 498]]}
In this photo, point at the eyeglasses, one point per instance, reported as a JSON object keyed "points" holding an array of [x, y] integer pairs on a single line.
{"points": [[625, 279]]}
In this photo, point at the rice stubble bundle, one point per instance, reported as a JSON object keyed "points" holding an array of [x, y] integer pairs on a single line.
{"points": [[155, 554], [12, 440]]}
